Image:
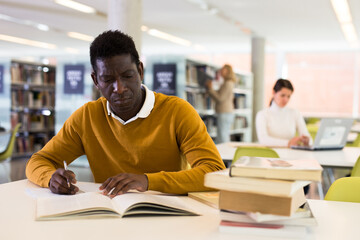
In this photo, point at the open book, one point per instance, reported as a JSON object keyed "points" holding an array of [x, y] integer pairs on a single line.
{"points": [[94, 204]]}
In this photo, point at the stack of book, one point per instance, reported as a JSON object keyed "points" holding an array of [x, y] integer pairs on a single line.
{"points": [[265, 195]]}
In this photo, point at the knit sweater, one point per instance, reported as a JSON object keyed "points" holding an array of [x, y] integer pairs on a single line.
{"points": [[153, 145], [224, 97], [275, 126]]}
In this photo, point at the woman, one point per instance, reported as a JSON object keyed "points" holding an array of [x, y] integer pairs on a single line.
{"points": [[224, 103], [277, 125]]}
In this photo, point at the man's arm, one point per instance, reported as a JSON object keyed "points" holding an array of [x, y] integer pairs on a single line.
{"points": [[66, 145], [198, 148]]}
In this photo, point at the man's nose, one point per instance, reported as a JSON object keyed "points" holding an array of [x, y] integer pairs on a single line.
{"points": [[119, 86]]}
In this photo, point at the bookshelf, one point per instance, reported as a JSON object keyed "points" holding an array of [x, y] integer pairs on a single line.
{"points": [[190, 88], [195, 94], [32, 92]]}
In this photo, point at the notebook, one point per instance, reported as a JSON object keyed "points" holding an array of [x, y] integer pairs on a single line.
{"points": [[332, 134]]}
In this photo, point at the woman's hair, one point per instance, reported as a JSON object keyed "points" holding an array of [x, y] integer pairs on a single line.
{"points": [[230, 75], [280, 84]]}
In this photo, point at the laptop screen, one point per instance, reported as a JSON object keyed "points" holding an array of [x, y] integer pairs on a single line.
{"points": [[333, 132]]}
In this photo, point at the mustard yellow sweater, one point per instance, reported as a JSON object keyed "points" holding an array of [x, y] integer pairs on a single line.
{"points": [[151, 145]]}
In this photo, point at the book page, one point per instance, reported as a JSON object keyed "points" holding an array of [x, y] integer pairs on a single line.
{"points": [[148, 203], [36, 192], [61, 205]]}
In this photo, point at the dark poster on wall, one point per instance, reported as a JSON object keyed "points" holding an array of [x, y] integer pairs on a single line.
{"points": [[165, 78], [1, 78], [74, 79]]}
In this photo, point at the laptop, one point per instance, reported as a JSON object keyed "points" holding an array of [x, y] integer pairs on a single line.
{"points": [[332, 134]]}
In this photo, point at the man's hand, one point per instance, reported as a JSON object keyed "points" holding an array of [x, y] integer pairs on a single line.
{"points": [[59, 182], [123, 182]]}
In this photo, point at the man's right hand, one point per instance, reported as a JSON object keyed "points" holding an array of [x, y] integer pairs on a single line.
{"points": [[59, 182]]}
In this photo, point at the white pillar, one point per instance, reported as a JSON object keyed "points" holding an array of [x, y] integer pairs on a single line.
{"points": [[257, 68], [126, 16]]}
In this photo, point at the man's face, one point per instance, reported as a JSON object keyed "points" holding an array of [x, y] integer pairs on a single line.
{"points": [[119, 80]]}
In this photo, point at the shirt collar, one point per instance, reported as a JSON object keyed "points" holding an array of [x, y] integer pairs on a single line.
{"points": [[144, 111], [276, 107]]}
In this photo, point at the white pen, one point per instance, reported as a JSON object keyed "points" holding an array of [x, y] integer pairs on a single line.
{"points": [[65, 167]]}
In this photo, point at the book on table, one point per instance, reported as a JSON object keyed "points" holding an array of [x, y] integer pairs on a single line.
{"points": [[209, 198], [303, 216], [95, 204], [265, 230], [255, 202], [222, 180], [277, 168]]}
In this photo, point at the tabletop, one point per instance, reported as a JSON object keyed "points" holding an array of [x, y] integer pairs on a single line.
{"points": [[336, 220], [345, 158]]}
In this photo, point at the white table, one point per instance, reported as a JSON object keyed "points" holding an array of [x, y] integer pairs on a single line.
{"points": [[336, 220], [344, 158]]}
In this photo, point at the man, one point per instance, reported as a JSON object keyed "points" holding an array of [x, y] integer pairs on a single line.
{"points": [[133, 138]]}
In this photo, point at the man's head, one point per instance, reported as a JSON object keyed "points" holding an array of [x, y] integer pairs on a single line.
{"points": [[110, 44], [118, 72]]}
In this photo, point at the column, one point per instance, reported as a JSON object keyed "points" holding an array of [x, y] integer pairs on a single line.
{"points": [[126, 16], [257, 68]]}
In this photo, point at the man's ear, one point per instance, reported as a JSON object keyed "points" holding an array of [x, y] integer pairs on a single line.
{"points": [[141, 71], [94, 78]]}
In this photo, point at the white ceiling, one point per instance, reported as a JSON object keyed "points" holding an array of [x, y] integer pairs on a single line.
{"points": [[287, 25]]}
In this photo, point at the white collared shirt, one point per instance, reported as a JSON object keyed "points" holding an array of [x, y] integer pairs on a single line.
{"points": [[144, 111]]}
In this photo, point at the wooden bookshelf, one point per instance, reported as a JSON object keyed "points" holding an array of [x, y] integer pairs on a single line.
{"points": [[32, 105]]}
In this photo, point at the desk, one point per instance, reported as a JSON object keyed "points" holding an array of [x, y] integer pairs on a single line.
{"points": [[337, 220], [344, 158]]}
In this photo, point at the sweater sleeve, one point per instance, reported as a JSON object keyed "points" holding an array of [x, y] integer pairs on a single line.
{"points": [[301, 127], [199, 150], [66, 145], [263, 135], [222, 94]]}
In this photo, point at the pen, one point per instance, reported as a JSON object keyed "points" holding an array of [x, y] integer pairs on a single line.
{"points": [[65, 167]]}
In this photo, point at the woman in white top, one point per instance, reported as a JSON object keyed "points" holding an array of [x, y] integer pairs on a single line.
{"points": [[277, 125]]}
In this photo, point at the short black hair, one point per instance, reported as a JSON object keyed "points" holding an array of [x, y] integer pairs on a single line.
{"points": [[112, 43]]}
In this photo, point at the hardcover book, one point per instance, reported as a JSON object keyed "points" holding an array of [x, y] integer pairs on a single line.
{"points": [[253, 202], [277, 168], [222, 180]]}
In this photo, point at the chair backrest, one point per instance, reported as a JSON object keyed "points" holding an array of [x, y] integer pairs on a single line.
{"points": [[355, 172], [10, 147], [344, 189], [254, 152]]}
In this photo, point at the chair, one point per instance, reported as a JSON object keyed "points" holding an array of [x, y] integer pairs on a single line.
{"points": [[7, 152], [254, 152], [344, 189], [355, 172], [10, 146]]}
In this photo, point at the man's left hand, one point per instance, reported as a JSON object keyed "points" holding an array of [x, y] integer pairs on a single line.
{"points": [[124, 182]]}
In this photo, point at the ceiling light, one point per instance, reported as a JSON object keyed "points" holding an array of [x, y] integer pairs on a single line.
{"points": [[342, 10], [39, 26], [144, 28], [349, 32], [72, 50], [169, 37], [76, 6], [80, 36], [25, 41]]}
